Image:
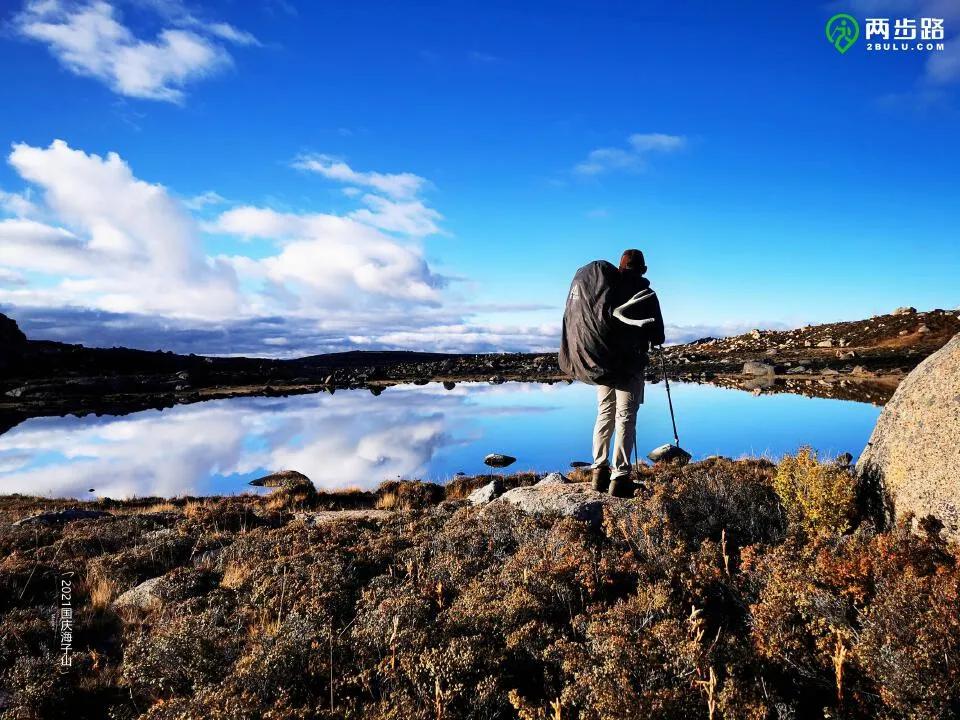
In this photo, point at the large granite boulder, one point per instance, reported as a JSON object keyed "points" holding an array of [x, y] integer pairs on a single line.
{"points": [[913, 456], [576, 500]]}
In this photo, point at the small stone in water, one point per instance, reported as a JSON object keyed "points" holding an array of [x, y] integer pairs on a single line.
{"points": [[669, 453], [499, 461]]}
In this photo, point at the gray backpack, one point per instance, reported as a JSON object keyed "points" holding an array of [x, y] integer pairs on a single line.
{"points": [[588, 350], [597, 346]]}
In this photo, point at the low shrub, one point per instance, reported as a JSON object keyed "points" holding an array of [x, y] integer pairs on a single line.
{"points": [[711, 594], [818, 497]]}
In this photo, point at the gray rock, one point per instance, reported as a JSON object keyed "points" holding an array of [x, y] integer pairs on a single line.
{"points": [[499, 460], [142, 597], [669, 454], [903, 332], [807, 343], [860, 370], [796, 370], [284, 479], [491, 491], [758, 368], [849, 355], [553, 478], [576, 500], [825, 343], [829, 372], [756, 334], [912, 454], [904, 311], [923, 329], [60, 517], [313, 519]]}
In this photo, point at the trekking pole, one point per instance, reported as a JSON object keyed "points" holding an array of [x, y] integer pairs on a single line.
{"points": [[666, 382]]}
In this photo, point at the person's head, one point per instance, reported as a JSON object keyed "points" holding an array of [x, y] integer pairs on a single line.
{"points": [[632, 261]]}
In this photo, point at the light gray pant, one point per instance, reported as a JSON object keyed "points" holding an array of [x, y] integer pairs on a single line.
{"points": [[616, 409]]}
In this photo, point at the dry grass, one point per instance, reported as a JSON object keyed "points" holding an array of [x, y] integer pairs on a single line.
{"points": [[159, 507], [102, 592], [194, 509], [234, 575], [697, 598]]}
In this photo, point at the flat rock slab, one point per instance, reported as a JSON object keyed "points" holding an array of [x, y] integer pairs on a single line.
{"points": [[142, 597], [324, 516], [63, 516], [576, 500]]}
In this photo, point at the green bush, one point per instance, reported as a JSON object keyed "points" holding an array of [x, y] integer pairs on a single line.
{"points": [[818, 497]]}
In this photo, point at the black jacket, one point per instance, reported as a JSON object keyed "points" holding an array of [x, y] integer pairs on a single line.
{"points": [[635, 342], [595, 346]]}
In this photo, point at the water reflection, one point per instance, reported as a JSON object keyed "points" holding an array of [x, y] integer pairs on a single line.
{"points": [[353, 439]]}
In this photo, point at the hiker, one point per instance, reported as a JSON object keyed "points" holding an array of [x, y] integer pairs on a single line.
{"points": [[611, 320]]}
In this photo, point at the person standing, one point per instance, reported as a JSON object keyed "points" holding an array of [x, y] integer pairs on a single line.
{"points": [[619, 401], [611, 319]]}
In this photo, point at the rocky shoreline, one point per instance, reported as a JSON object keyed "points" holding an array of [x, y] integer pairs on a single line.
{"points": [[859, 360]]}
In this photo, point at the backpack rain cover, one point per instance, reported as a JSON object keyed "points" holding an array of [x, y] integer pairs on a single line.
{"points": [[588, 349]]}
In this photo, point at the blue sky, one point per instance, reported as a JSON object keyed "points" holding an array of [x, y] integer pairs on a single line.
{"points": [[295, 177]]}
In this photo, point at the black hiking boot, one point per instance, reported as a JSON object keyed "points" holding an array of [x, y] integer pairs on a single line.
{"points": [[601, 478], [622, 487]]}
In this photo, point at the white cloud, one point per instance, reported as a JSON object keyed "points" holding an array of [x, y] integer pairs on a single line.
{"points": [[198, 202], [234, 35], [9, 278], [688, 333], [90, 40], [634, 157], [328, 259], [105, 258], [408, 217], [18, 204], [396, 185], [122, 244], [102, 257]]}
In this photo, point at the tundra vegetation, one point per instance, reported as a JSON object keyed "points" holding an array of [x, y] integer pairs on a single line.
{"points": [[727, 589]]}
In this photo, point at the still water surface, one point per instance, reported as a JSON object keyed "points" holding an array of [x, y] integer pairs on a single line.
{"points": [[353, 439]]}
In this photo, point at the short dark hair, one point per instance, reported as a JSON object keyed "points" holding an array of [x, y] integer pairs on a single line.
{"points": [[633, 260]]}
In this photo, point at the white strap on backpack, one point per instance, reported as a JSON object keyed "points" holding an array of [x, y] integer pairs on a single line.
{"points": [[638, 298]]}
